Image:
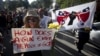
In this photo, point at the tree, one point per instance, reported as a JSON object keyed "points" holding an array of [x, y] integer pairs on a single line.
{"points": [[1, 5], [69, 3], [26, 4], [34, 4], [41, 3], [13, 4], [47, 3]]}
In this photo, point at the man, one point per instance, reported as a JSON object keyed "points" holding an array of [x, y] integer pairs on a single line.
{"points": [[83, 38], [44, 19]]}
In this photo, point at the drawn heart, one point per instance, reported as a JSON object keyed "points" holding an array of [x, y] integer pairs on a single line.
{"points": [[60, 19], [84, 16]]}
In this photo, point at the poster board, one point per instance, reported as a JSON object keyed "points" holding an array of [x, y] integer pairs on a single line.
{"points": [[31, 39]]}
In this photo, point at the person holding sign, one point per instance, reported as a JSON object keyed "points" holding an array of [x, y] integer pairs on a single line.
{"points": [[31, 20]]}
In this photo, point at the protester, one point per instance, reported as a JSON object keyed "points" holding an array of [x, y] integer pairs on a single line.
{"points": [[83, 38], [3, 22], [19, 19], [44, 18], [3, 31], [31, 20], [9, 21], [2, 47]]}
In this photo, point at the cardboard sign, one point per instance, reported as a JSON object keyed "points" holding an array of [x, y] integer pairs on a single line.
{"points": [[31, 39]]}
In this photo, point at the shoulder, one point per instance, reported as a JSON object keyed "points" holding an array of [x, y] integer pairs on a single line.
{"points": [[47, 17]]}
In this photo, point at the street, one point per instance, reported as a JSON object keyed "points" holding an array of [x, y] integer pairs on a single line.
{"points": [[62, 15], [63, 44]]}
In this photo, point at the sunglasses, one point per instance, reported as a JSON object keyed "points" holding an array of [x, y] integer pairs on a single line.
{"points": [[32, 19]]}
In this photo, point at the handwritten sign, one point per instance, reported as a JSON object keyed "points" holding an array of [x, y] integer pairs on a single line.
{"points": [[31, 39]]}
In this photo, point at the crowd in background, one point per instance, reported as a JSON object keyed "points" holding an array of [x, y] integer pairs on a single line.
{"points": [[13, 19]]}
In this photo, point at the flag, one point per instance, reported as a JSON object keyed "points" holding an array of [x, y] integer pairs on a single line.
{"points": [[76, 17]]}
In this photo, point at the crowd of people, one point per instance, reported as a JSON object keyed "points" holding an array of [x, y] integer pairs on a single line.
{"points": [[15, 19], [34, 18]]}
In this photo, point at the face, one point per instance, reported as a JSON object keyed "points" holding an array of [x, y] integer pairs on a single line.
{"points": [[41, 12], [32, 22]]}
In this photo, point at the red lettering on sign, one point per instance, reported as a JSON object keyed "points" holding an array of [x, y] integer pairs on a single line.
{"points": [[22, 32], [39, 38], [45, 44], [19, 46], [26, 45], [29, 45], [42, 32], [23, 39]]}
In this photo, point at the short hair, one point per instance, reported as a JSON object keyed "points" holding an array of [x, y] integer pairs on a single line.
{"points": [[40, 10]]}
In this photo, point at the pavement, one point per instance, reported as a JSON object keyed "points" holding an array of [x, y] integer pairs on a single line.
{"points": [[63, 45]]}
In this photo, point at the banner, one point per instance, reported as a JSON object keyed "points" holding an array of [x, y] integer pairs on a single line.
{"points": [[29, 39], [76, 17]]}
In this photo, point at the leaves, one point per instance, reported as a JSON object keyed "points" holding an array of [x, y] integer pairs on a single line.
{"points": [[12, 5], [69, 3]]}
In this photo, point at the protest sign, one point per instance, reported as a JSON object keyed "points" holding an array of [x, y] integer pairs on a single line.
{"points": [[75, 17], [31, 39]]}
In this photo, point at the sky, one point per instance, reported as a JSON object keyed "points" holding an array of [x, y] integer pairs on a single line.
{"points": [[31, 1]]}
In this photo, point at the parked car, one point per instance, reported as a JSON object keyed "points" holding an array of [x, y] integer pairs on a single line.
{"points": [[95, 34]]}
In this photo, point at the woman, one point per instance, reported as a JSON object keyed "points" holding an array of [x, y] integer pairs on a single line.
{"points": [[31, 20]]}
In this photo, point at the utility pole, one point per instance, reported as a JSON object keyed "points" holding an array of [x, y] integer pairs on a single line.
{"points": [[54, 5]]}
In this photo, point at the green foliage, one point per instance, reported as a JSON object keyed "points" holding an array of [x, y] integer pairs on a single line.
{"points": [[34, 4], [47, 3], [41, 3], [12, 5], [69, 3], [25, 4]]}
